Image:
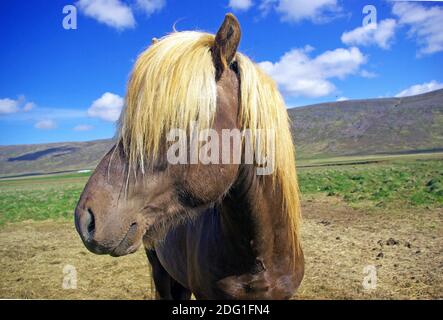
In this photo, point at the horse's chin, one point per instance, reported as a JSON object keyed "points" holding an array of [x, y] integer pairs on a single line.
{"points": [[125, 250], [130, 243]]}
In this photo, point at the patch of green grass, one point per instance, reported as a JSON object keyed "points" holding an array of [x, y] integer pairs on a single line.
{"points": [[40, 198], [391, 183], [407, 183]]}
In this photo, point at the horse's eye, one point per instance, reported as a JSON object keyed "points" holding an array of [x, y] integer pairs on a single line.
{"points": [[234, 67]]}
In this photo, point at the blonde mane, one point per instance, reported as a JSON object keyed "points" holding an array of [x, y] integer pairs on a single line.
{"points": [[173, 84]]}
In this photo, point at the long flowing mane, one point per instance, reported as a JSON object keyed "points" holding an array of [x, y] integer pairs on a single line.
{"points": [[173, 84]]}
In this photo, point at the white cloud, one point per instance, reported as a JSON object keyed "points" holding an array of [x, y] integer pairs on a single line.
{"points": [[240, 4], [28, 106], [151, 6], [266, 6], [46, 124], [29, 111], [107, 107], [420, 88], [368, 74], [297, 74], [425, 24], [342, 99], [380, 34], [8, 106], [318, 11], [83, 127], [113, 13], [297, 10]]}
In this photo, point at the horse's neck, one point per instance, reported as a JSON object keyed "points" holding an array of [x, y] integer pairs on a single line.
{"points": [[253, 217]]}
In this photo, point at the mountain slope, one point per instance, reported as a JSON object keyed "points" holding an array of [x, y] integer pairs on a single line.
{"points": [[51, 157], [361, 127], [354, 127]]}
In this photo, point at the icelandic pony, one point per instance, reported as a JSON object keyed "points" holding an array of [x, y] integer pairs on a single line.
{"points": [[216, 230]]}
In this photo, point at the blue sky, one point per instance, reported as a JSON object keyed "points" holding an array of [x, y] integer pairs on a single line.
{"points": [[68, 85]]}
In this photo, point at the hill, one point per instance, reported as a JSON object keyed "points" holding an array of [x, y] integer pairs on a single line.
{"points": [[51, 158], [372, 126], [346, 128]]}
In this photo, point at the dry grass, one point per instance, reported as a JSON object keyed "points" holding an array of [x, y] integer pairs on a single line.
{"points": [[338, 241], [33, 255]]}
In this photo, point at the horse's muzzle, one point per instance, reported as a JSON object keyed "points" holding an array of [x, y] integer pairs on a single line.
{"points": [[85, 223]]}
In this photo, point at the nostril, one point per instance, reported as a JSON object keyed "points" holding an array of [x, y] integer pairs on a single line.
{"points": [[133, 227], [90, 222]]}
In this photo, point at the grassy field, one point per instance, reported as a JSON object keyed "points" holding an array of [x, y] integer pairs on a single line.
{"points": [[40, 198], [382, 183], [405, 181], [352, 207]]}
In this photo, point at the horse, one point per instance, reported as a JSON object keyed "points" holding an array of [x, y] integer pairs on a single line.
{"points": [[215, 230]]}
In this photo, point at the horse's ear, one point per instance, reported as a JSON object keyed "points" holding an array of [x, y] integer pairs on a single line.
{"points": [[226, 43], [154, 40]]}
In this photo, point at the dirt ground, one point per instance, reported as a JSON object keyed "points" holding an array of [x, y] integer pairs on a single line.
{"points": [[405, 247]]}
